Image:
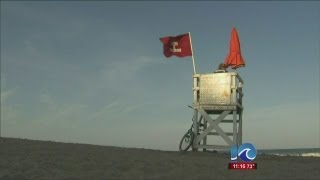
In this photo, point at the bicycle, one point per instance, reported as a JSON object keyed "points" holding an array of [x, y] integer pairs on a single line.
{"points": [[187, 139]]}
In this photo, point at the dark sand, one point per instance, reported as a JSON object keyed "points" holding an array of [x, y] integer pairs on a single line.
{"points": [[28, 159]]}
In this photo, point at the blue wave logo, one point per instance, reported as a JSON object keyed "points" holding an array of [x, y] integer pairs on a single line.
{"points": [[234, 153], [246, 152]]}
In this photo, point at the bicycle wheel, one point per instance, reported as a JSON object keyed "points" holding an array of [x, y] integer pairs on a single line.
{"points": [[186, 141]]}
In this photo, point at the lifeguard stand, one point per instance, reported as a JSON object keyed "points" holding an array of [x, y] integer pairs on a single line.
{"points": [[217, 94]]}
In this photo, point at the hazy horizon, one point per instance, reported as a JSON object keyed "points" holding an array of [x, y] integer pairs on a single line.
{"points": [[94, 72]]}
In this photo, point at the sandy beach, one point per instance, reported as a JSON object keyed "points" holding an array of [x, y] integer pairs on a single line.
{"points": [[29, 159]]}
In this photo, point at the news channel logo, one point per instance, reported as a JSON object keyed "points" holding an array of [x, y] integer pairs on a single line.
{"points": [[246, 152]]}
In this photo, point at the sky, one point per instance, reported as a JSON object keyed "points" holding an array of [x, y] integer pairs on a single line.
{"points": [[94, 72]]}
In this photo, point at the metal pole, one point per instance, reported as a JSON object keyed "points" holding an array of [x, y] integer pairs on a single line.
{"points": [[195, 117], [194, 66]]}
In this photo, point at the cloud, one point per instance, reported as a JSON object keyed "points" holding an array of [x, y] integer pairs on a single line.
{"points": [[134, 107], [117, 78], [105, 111], [288, 125], [58, 113], [5, 94], [126, 69], [29, 46]]}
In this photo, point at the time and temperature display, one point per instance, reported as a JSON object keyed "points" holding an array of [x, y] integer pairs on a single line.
{"points": [[243, 165]]}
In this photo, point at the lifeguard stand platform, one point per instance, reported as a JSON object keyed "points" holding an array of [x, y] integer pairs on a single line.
{"points": [[217, 94]]}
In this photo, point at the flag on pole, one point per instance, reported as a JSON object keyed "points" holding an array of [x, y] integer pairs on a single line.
{"points": [[234, 58], [179, 46]]}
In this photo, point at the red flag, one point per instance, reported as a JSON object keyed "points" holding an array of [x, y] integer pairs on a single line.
{"points": [[234, 59], [179, 45]]}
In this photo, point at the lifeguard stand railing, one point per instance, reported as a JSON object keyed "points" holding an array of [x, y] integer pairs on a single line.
{"points": [[218, 94]]}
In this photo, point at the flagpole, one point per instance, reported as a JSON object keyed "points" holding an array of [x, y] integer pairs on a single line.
{"points": [[194, 66]]}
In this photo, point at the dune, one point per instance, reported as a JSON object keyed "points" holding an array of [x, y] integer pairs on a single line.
{"points": [[30, 159]]}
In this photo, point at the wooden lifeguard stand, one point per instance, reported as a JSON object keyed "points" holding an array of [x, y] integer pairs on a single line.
{"points": [[219, 94]]}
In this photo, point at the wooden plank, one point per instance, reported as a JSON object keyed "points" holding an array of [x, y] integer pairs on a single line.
{"points": [[240, 79], [223, 135], [215, 133], [239, 105], [213, 125], [228, 121], [221, 147]]}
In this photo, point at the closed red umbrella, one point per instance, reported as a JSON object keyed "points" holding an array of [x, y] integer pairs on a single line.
{"points": [[234, 58]]}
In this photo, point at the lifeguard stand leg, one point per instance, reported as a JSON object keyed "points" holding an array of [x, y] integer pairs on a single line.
{"points": [[195, 129], [205, 138], [235, 130], [240, 128]]}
